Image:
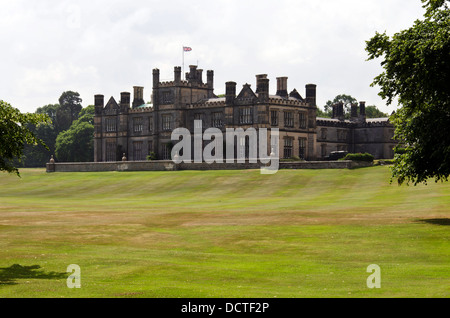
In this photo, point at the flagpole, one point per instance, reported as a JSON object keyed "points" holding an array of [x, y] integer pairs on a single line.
{"points": [[182, 48]]}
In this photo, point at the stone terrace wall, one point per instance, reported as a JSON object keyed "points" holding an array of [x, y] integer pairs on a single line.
{"points": [[168, 165]]}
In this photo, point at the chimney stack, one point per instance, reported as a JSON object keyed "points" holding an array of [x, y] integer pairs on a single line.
{"points": [[340, 110], [155, 93], [282, 87], [155, 78], [362, 111], [192, 76], [258, 81], [354, 110], [99, 104], [230, 92], [263, 89], [362, 108], [125, 100], [210, 79], [177, 75], [200, 76], [210, 82], [138, 99], [311, 94]]}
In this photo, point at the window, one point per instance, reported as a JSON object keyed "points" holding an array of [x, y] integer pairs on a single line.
{"points": [[150, 146], [303, 120], [245, 115], [198, 120], [341, 135], [137, 150], [167, 98], [166, 122], [111, 124], [137, 124], [244, 147], [288, 119], [111, 153], [274, 117], [150, 124], [302, 148], [288, 143], [323, 148], [166, 149], [217, 119], [323, 133]]}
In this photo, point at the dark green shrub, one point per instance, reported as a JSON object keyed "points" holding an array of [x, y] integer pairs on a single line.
{"points": [[151, 156], [359, 157]]}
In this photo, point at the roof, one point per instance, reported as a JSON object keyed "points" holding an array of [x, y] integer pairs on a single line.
{"points": [[284, 98], [216, 99], [377, 119], [144, 106]]}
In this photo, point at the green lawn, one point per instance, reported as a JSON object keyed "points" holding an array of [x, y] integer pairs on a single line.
{"points": [[297, 233]]}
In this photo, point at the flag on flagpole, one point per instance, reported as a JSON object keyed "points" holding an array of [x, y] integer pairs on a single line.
{"points": [[185, 49]]}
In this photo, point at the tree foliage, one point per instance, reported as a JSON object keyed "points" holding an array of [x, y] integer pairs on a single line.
{"points": [[38, 155], [324, 113], [70, 107], [416, 64], [15, 134], [77, 144], [61, 120], [347, 100], [371, 111]]}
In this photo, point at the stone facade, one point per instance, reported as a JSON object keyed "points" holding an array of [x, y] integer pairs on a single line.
{"points": [[136, 129], [354, 135]]}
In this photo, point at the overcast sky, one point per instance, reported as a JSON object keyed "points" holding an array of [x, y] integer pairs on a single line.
{"points": [[107, 47]]}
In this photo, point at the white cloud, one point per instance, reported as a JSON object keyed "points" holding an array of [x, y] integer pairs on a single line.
{"points": [[109, 46]]}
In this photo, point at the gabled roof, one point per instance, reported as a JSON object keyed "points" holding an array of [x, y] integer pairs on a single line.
{"points": [[246, 93], [296, 94], [111, 104]]}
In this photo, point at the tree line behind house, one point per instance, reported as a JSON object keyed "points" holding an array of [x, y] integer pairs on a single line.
{"points": [[68, 135]]}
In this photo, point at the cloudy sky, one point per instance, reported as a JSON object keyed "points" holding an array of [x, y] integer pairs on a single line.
{"points": [[107, 47]]}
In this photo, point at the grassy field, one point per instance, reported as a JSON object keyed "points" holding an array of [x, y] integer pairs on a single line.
{"points": [[298, 233]]}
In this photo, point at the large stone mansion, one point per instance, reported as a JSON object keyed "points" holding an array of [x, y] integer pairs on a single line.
{"points": [[136, 128]]}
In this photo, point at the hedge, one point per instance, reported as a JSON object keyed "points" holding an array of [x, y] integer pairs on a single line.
{"points": [[359, 157]]}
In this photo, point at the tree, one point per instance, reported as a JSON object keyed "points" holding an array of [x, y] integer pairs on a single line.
{"points": [[38, 155], [373, 112], [87, 114], [416, 64], [347, 100], [49, 110], [70, 108], [15, 134], [324, 114], [77, 143]]}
